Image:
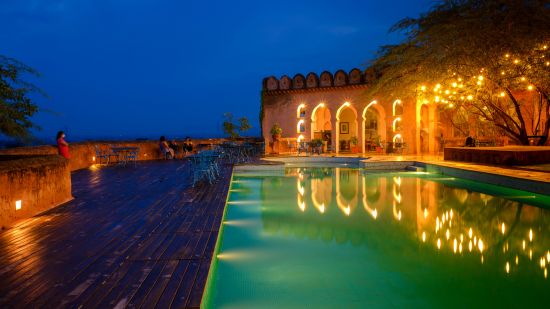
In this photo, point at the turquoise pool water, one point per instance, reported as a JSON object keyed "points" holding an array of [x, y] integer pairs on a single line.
{"points": [[344, 238]]}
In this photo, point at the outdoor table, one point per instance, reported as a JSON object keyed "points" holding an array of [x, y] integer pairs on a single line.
{"points": [[124, 154]]}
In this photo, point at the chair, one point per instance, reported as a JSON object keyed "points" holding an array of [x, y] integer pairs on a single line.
{"points": [[102, 154]]}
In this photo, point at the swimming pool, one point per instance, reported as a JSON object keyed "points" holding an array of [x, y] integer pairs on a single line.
{"points": [[345, 238]]}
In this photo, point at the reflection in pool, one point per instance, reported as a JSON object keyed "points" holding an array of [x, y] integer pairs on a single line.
{"points": [[339, 237]]}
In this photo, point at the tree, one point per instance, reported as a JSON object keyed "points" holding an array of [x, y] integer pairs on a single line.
{"points": [[484, 57], [16, 107], [232, 129]]}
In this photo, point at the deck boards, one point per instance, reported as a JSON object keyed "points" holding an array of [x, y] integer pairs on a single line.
{"points": [[132, 237]]}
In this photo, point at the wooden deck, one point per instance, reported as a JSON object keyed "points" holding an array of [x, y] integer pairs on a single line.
{"points": [[132, 237]]}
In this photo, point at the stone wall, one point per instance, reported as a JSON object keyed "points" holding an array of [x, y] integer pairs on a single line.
{"points": [[83, 153], [33, 184]]}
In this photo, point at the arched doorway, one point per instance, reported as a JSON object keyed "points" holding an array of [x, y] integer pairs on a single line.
{"points": [[374, 127], [321, 125], [346, 128]]}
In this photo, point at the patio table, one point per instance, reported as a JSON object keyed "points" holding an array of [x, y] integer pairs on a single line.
{"points": [[125, 154]]}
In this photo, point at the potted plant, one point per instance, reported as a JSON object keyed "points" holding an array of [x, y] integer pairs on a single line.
{"points": [[276, 131], [317, 145], [353, 140]]}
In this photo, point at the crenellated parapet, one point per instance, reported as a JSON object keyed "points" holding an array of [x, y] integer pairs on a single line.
{"points": [[326, 79]]}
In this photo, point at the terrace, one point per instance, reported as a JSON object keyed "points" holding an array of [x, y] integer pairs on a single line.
{"points": [[131, 237]]}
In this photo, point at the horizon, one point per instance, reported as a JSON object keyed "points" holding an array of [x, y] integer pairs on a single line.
{"points": [[133, 69]]}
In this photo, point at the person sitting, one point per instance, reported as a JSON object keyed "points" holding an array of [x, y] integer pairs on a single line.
{"points": [[165, 148], [470, 142], [188, 145], [62, 145], [174, 146]]}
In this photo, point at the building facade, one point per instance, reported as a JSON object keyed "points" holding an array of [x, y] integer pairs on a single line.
{"points": [[335, 109]]}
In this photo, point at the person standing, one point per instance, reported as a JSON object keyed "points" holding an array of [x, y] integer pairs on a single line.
{"points": [[62, 145]]}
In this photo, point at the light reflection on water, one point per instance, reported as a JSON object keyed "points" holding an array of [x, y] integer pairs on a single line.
{"points": [[412, 230]]}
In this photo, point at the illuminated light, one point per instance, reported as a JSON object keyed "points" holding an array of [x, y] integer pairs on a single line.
{"points": [[460, 86], [460, 248], [479, 83], [438, 86], [455, 85], [530, 254], [425, 213], [548, 256], [302, 206], [423, 236], [507, 55], [459, 79], [470, 97], [394, 104], [447, 92], [301, 189], [530, 87], [18, 204], [502, 73], [300, 123], [397, 196], [523, 79], [503, 228], [523, 244], [301, 138], [507, 267], [547, 63], [544, 47], [530, 235], [438, 243], [347, 210], [516, 61], [470, 233], [374, 213], [502, 94], [542, 262], [93, 158], [470, 246], [451, 214], [545, 273], [395, 123], [447, 234], [397, 180], [462, 97], [517, 260], [461, 237], [482, 259], [455, 245], [322, 208], [423, 88], [396, 136], [480, 245], [437, 99], [480, 77]]}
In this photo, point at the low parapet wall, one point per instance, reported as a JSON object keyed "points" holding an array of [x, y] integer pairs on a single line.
{"points": [[508, 155], [83, 153], [31, 185]]}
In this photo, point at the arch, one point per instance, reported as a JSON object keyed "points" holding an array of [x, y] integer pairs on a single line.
{"points": [[300, 127], [372, 212], [354, 76], [370, 75], [285, 83], [394, 124], [321, 123], [396, 111], [370, 131], [301, 111], [312, 80], [340, 78], [326, 79], [347, 195], [346, 113], [271, 83], [298, 82]]}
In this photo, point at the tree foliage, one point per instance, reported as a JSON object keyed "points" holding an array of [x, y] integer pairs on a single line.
{"points": [[16, 107], [484, 57], [235, 129]]}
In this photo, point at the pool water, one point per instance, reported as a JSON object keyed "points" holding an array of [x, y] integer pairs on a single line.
{"points": [[346, 238]]}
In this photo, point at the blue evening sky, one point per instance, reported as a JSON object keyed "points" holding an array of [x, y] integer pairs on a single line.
{"points": [[141, 68]]}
